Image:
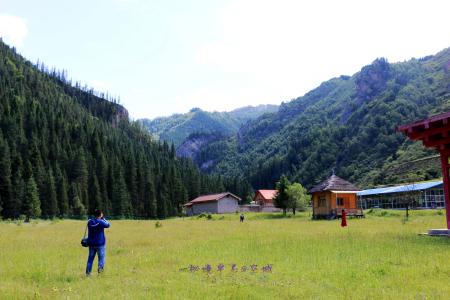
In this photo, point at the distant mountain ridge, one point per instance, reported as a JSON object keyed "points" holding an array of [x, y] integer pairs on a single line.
{"points": [[178, 127], [347, 123]]}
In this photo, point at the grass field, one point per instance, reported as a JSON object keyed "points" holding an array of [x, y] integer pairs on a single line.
{"points": [[380, 257]]}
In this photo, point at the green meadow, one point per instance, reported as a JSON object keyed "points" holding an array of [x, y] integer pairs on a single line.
{"points": [[379, 257]]}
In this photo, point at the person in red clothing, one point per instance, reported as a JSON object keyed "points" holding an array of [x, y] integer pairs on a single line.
{"points": [[343, 218]]}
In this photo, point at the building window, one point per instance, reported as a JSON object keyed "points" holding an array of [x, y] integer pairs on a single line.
{"points": [[340, 201], [322, 201]]}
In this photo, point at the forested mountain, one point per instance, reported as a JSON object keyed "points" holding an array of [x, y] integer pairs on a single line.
{"points": [[247, 113], [347, 123], [65, 150], [176, 128]]}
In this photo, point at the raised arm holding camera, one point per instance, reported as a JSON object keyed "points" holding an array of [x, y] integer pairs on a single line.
{"points": [[96, 241]]}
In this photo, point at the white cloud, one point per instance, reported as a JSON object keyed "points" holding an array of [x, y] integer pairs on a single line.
{"points": [[13, 30], [288, 47]]}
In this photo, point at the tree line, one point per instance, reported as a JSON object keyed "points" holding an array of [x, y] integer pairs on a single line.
{"points": [[65, 151]]}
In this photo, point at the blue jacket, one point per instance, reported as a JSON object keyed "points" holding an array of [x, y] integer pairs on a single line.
{"points": [[96, 235]]}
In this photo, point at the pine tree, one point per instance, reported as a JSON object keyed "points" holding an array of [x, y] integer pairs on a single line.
{"points": [[38, 169], [161, 200], [102, 177], [172, 151], [131, 180], [150, 199], [281, 200], [95, 199], [80, 176], [78, 209], [5, 180], [120, 195], [32, 205], [63, 196], [18, 193], [61, 191], [50, 207], [178, 191], [139, 208]]}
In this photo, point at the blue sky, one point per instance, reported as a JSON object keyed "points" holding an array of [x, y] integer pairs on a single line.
{"points": [[164, 57]]}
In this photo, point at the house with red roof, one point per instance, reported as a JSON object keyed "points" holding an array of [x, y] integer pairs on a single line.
{"points": [[264, 198], [214, 204]]}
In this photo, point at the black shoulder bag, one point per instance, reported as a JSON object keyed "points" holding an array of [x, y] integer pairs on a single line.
{"points": [[84, 240]]}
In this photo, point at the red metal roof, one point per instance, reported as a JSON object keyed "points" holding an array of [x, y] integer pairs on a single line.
{"points": [[209, 198], [268, 194]]}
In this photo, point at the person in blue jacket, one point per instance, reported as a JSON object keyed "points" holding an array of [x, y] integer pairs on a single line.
{"points": [[96, 241]]}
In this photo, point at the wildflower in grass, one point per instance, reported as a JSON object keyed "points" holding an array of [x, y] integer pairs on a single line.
{"points": [[234, 267], [244, 268], [207, 268], [254, 267], [267, 268], [220, 267]]}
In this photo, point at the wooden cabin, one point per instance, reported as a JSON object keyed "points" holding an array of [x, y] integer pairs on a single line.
{"points": [[264, 199], [332, 195]]}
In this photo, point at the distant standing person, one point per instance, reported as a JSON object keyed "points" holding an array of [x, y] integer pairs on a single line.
{"points": [[96, 241], [344, 218], [242, 217]]}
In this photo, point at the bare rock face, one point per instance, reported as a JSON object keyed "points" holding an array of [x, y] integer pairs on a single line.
{"points": [[120, 115], [194, 143], [372, 79], [189, 148]]}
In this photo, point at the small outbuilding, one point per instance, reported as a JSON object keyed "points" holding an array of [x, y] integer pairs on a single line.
{"points": [[213, 204], [264, 198], [332, 195]]}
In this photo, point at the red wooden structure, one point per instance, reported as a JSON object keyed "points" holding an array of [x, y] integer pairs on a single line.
{"points": [[434, 132]]}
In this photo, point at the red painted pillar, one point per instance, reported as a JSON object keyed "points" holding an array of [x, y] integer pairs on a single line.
{"points": [[445, 155]]}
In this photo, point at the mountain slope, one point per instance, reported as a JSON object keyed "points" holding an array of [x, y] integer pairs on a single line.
{"points": [[347, 123], [178, 127], [247, 113], [65, 151]]}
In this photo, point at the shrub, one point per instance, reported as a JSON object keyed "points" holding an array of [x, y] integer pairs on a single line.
{"points": [[202, 215]]}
